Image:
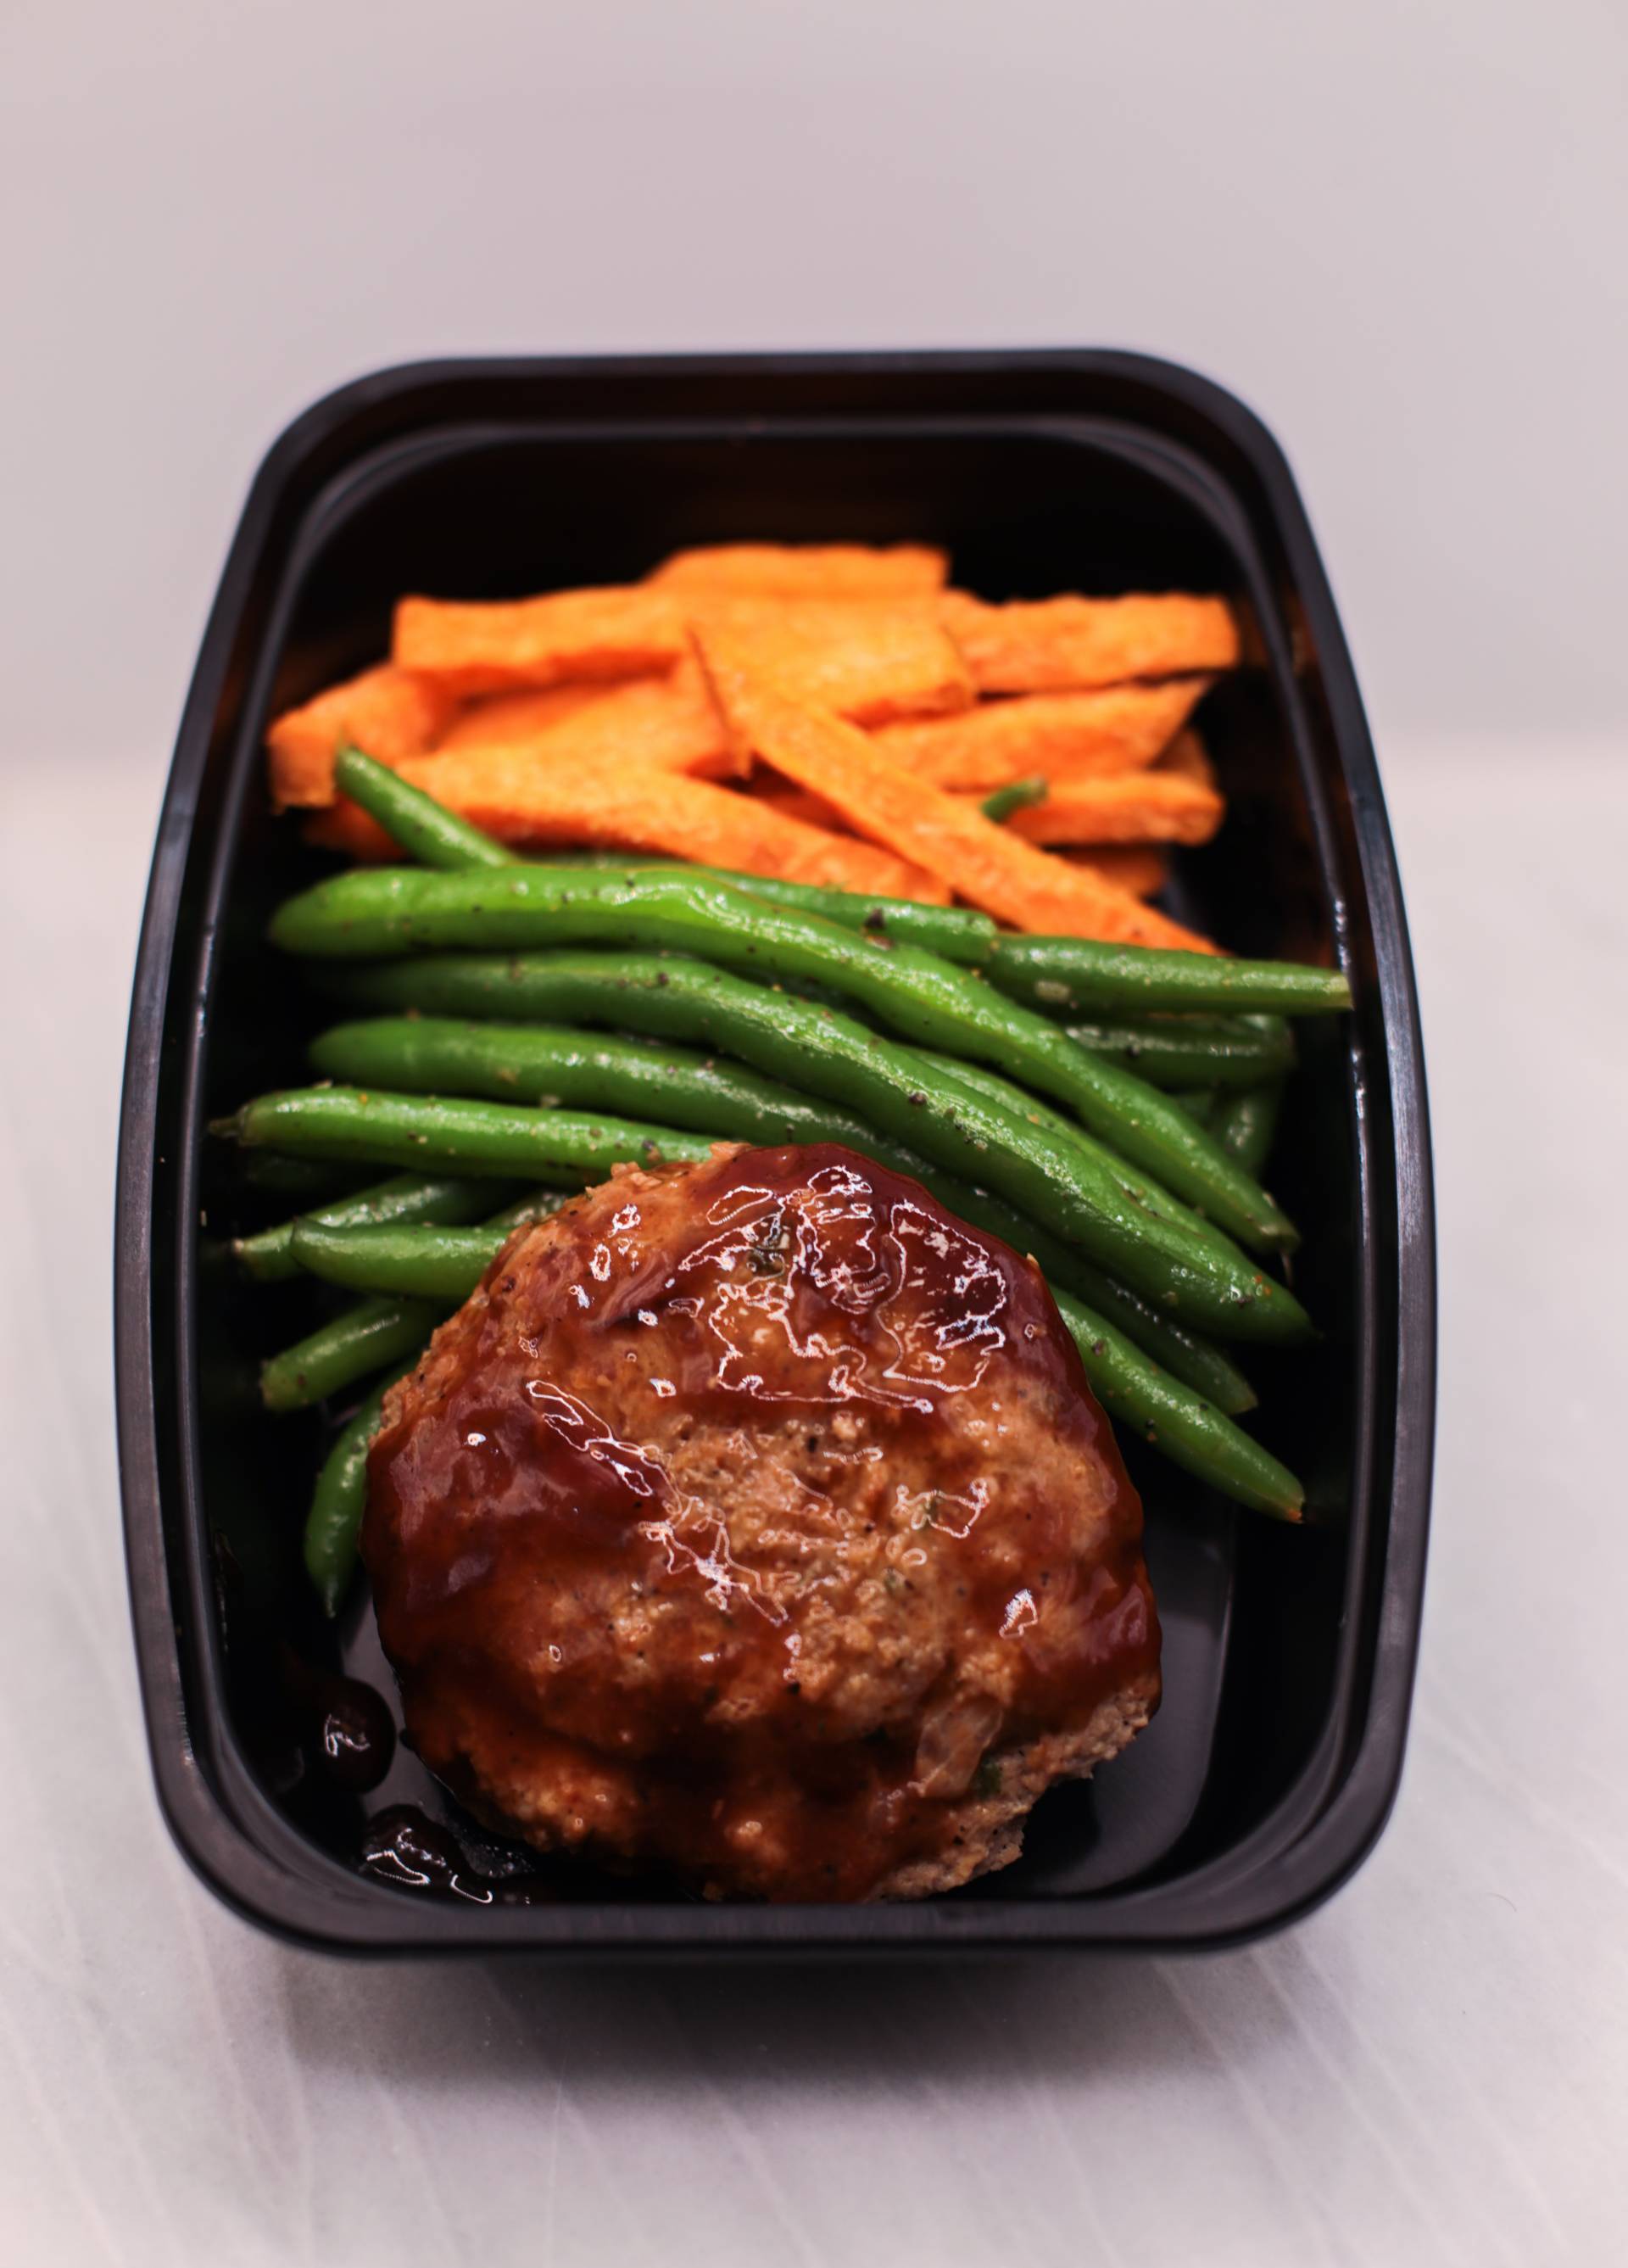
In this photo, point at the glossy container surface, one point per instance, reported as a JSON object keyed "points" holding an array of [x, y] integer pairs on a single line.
{"points": [[1288, 1653]]}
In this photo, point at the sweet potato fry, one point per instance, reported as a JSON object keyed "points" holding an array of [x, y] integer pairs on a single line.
{"points": [[807, 570], [491, 646], [502, 720], [1123, 807], [948, 835], [1039, 645], [868, 662], [671, 722], [1142, 868], [1059, 735], [1187, 758], [636, 807], [390, 712], [796, 802]]}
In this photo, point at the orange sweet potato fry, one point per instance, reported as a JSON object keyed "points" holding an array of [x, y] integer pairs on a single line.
{"points": [[1060, 735], [388, 712], [1142, 868], [869, 662], [797, 803], [807, 570], [1187, 758], [671, 722], [493, 646], [636, 807], [344, 825], [1039, 645], [1123, 807], [986, 864], [504, 719]]}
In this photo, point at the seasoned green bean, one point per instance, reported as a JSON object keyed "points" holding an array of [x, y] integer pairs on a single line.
{"points": [[471, 1137], [1198, 1101], [364, 1338], [426, 829], [723, 1098], [1077, 975], [920, 996], [1139, 1188], [1181, 1424], [1186, 1051], [412, 1261], [924, 996], [956, 933], [1246, 1124], [1018, 795], [426, 1264], [334, 1523], [890, 1088], [592, 1070], [304, 1181], [268, 1257], [1080, 976]]}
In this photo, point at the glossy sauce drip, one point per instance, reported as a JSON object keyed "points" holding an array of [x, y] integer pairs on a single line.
{"points": [[403, 1846], [346, 1726], [665, 1497]]}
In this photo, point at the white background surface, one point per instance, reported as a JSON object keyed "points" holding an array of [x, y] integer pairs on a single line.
{"points": [[1399, 232]]}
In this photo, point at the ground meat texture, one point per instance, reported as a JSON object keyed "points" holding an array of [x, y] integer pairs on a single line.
{"points": [[753, 1520]]}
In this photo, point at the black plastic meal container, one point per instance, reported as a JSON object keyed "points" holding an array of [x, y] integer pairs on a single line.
{"points": [[1289, 1651]]}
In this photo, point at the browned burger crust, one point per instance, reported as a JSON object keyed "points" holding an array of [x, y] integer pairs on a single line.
{"points": [[754, 1520]]}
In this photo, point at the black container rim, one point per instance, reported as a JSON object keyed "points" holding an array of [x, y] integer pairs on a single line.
{"points": [[1228, 1902]]}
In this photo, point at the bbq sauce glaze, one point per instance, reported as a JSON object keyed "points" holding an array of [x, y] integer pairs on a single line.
{"points": [[749, 1520]]}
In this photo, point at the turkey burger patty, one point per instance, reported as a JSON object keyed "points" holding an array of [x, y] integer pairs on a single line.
{"points": [[753, 1520]]}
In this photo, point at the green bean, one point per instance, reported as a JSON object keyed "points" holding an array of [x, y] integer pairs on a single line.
{"points": [[1198, 1101], [1196, 1435], [470, 1138], [1078, 974], [363, 1338], [532, 1063], [1178, 1051], [1245, 1124], [269, 1257], [425, 1261], [426, 829], [1018, 795], [334, 1523], [1185, 1354], [891, 1089], [1139, 1188], [1180, 1423], [300, 1181], [451, 1262], [922, 997], [720, 1099], [540, 1204], [957, 932], [426, 1264], [1194, 1361], [436, 836], [1078, 977], [723, 1098]]}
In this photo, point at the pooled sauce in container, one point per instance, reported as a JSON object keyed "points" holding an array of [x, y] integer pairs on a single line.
{"points": [[346, 1726], [752, 1520], [404, 1846]]}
